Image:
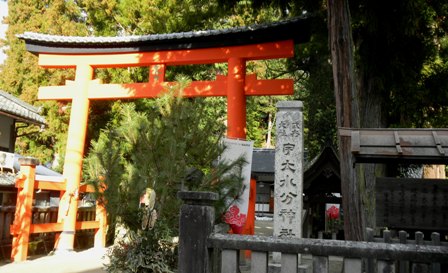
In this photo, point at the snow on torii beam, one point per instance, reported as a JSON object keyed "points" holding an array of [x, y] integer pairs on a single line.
{"points": [[85, 54]]}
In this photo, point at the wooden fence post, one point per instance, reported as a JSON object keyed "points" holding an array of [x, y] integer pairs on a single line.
{"points": [[100, 233], [196, 222], [22, 217], [101, 217]]}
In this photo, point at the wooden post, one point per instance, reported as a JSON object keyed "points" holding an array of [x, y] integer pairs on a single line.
{"points": [[24, 205], [68, 206], [101, 217], [100, 233], [249, 226], [435, 239], [236, 98], [196, 222]]}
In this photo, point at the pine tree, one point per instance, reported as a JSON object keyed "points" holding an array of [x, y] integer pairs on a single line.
{"points": [[159, 150]]}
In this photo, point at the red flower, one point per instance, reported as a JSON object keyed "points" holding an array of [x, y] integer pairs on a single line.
{"points": [[332, 213]]}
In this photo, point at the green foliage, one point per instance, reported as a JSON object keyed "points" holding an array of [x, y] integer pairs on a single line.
{"points": [[21, 76], [147, 251], [158, 148], [133, 17], [400, 53]]}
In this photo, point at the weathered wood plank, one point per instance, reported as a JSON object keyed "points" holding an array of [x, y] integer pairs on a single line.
{"points": [[259, 262], [355, 142], [403, 265], [385, 266], [352, 265], [320, 264], [429, 146], [230, 261], [412, 203], [349, 249], [290, 263], [419, 267], [371, 262], [435, 239]]}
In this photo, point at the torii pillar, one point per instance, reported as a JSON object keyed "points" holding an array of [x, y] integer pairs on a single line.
{"points": [[236, 99], [236, 123], [77, 131]]}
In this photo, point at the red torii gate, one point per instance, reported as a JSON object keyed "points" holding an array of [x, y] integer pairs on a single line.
{"points": [[84, 54]]}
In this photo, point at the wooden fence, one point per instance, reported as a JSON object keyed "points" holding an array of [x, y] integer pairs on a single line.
{"points": [[43, 243], [23, 228], [202, 251], [404, 265]]}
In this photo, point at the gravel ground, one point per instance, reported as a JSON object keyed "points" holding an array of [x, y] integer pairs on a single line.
{"points": [[87, 261]]}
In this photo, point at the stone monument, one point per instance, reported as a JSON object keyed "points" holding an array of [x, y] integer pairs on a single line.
{"points": [[288, 187]]}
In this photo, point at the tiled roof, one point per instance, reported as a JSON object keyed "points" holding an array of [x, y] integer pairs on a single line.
{"points": [[295, 28], [12, 166], [20, 110], [7, 179]]}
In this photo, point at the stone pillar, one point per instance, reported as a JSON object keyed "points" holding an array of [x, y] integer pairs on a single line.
{"points": [[288, 187], [196, 222]]}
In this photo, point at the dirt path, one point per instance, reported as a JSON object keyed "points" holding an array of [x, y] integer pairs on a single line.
{"points": [[87, 261]]}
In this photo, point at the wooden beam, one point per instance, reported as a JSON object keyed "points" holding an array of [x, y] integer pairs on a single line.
{"points": [[87, 225], [44, 185], [272, 50], [87, 188], [54, 186], [46, 227], [97, 91], [57, 227]]}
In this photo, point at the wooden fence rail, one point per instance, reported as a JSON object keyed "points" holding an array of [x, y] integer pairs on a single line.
{"points": [[42, 216], [202, 251], [353, 252], [403, 265], [24, 226]]}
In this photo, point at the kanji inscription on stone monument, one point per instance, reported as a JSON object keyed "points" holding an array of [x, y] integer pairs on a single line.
{"points": [[288, 170]]}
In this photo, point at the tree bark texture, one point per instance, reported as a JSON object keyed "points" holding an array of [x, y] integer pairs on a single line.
{"points": [[347, 112], [371, 116]]}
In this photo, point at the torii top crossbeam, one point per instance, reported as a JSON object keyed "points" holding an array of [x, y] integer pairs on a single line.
{"points": [[233, 46]]}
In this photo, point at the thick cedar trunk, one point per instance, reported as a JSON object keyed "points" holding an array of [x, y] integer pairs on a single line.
{"points": [[371, 116], [341, 45]]}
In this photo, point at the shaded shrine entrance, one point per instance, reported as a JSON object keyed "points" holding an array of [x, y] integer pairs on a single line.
{"points": [[85, 54]]}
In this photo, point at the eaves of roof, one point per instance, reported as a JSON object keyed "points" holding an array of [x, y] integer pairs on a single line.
{"points": [[398, 145], [19, 110], [7, 179], [297, 29]]}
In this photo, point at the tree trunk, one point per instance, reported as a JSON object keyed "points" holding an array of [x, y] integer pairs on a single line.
{"points": [[269, 133], [341, 45], [371, 116]]}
